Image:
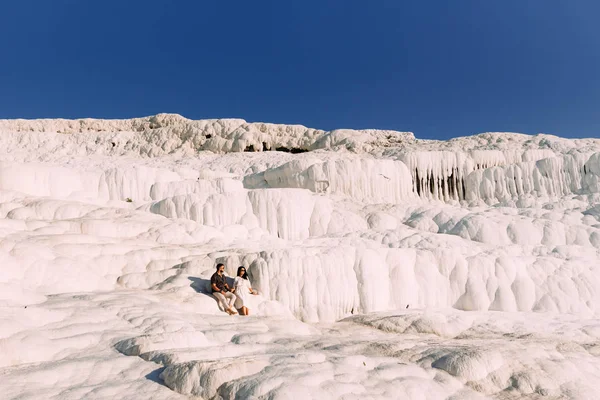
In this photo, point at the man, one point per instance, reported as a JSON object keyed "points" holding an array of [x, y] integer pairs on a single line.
{"points": [[221, 290]]}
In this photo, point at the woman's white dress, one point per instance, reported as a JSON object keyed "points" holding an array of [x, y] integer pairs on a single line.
{"points": [[242, 291]]}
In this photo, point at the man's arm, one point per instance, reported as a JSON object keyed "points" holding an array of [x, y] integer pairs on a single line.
{"points": [[213, 284]]}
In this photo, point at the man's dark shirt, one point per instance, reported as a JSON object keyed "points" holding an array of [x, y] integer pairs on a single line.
{"points": [[219, 281]]}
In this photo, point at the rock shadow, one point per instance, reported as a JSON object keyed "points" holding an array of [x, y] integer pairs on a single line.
{"points": [[201, 285], [154, 376]]}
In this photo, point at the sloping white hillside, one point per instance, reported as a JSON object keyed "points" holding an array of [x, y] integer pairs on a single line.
{"points": [[110, 231]]}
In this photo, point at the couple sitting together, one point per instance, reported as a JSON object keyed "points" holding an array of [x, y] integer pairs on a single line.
{"points": [[238, 295]]}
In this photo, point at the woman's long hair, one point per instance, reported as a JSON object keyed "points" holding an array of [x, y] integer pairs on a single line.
{"points": [[245, 276]]}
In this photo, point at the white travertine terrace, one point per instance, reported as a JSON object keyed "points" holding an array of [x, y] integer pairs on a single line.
{"points": [[110, 230]]}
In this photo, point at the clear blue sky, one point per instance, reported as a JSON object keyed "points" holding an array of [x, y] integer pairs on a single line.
{"points": [[437, 68]]}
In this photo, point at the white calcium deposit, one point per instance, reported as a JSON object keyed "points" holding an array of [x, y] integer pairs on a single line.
{"points": [[387, 267]]}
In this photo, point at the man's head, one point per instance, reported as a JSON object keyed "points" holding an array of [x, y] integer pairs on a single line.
{"points": [[220, 268]]}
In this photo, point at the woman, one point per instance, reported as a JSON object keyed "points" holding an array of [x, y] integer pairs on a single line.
{"points": [[242, 290]]}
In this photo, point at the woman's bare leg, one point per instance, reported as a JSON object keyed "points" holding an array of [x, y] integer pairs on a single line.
{"points": [[245, 310]]}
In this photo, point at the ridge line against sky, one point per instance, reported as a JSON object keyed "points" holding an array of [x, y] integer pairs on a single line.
{"points": [[435, 68]]}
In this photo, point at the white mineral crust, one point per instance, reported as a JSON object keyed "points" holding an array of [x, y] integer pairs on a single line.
{"points": [[388, 267]]}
